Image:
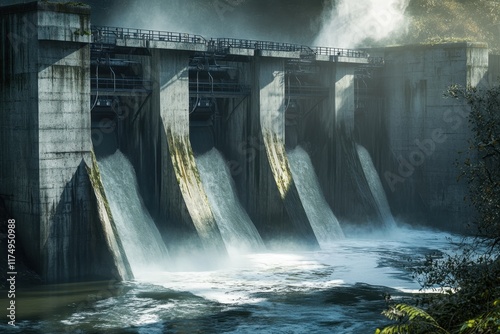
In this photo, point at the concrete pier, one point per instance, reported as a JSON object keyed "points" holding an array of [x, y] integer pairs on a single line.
{"points": [[328, 133], [156, 139], [181, 187], [271, 170], [48, 178]]}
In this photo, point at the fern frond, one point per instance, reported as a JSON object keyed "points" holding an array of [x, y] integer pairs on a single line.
{"points": [[396, 329], [414, 313], [410, 319]]}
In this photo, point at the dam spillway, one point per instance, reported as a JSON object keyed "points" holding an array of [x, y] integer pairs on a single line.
{"points": [[240, 92], [71, 90]]}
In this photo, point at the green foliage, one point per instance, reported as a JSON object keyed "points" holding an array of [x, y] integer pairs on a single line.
{"points": [[76, 4], [468, 282], [485, 323], [79, 32], [481, 166], [431, 21], [411, 320], [68, 3]]}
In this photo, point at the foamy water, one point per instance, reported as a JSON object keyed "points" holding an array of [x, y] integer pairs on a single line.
{"points": [[339, 289]]}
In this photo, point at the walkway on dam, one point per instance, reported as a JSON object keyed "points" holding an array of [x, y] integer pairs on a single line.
{"points": [[127, 37]]}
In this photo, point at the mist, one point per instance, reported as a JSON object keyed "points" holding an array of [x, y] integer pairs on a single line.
{"points": [[351, 24], [336, 23]]}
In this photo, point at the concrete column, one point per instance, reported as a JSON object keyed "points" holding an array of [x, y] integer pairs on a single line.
{"points": [[343, 74], [329, 130], [182, 200], [494, 69], [272, 198], [47, 174]]}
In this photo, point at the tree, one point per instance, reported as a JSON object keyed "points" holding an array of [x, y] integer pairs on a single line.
{"points": [[481, 167], [434, 21]]}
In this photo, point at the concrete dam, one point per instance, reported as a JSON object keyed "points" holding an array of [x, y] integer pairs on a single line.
{"points": [[122, 146]]}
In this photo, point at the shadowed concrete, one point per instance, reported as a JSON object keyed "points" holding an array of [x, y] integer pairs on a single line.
{"points": [[157, 142], [422, 131], [46, 148]]}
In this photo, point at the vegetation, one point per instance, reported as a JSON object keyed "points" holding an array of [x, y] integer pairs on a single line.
{"points": [[79, 32], [437, 21], [410, 319], [469, 281], [449, 21], [413, 320], [68, 3]]}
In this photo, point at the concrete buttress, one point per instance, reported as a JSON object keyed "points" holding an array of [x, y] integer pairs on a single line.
{"points": [[48, 177], [183, 204]]}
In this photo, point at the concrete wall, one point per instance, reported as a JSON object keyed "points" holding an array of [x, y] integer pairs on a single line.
{"points": [[426, 131], [494, 69], [46, 148]]}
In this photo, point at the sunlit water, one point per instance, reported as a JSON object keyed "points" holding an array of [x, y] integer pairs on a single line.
{"points": [[339, 289], [137, 231], [375, 185], [236, 228], [325, 225]]}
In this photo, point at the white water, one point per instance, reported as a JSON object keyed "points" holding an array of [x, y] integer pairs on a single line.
{"points": [[325, 225], [339, 289], [348, 23], [237, 230], [375, 185], [143, 245]]}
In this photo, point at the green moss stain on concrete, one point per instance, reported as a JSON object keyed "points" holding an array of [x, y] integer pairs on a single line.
{"points": [[108, 225]]}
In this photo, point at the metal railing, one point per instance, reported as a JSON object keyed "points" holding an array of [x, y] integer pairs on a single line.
{"points": [[226, 43], [110, 84], [215, 87], [109, 35], [327, 51], [378, 61], [306, 91]]}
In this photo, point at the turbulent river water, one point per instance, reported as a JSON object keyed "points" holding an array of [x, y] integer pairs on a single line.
{"points": [[339, 289]]}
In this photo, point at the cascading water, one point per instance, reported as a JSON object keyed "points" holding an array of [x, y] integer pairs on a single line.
{"points": [[323, 222], [135, 227], [375, 185], [237, 230]]}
